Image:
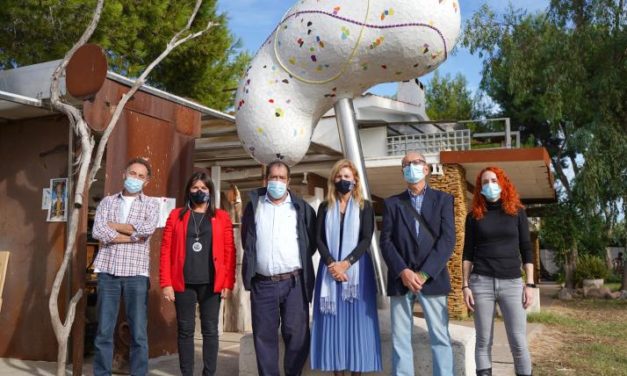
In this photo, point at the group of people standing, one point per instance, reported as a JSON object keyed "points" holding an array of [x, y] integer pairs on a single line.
{"points": [[280, 234]]}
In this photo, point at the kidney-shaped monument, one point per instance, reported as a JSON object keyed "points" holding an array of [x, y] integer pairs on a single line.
{"points": [[322, 51]]}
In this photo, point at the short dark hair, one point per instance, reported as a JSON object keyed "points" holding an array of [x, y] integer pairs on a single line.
{"points": [[277, 163], [140, 161]]}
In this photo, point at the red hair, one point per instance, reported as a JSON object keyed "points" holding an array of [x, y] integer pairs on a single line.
{"points": [[509, 195]]}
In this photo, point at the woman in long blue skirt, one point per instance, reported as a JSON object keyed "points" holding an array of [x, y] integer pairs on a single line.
{"points": [[345, 333]]}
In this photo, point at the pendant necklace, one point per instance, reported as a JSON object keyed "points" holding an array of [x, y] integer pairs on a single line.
{"points": [[197, 247]]}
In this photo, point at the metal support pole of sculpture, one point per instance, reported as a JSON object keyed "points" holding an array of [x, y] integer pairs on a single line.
{"points": [[351, 147]]}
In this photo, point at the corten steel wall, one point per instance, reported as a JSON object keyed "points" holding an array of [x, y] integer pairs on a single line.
{"points": [[163, 132], [31, 153]]}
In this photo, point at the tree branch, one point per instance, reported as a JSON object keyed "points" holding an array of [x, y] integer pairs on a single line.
{"points": [[174, 42], [86, 175]]}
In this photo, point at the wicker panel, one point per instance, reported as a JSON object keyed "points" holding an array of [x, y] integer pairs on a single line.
{"points": [[454, 182]]}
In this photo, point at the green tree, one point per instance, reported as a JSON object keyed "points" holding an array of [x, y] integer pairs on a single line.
{"points": [[561, 230], [449, 98], [560, 76], [133, 33]]}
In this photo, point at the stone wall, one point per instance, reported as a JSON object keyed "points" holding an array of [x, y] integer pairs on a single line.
{"points": [[454, 182]]}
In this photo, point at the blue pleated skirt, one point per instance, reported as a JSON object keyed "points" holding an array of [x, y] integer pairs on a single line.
{"points": [[350, 339]]}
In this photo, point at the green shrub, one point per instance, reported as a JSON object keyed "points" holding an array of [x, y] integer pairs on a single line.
{"points": [[614, 277], [590, 267]]}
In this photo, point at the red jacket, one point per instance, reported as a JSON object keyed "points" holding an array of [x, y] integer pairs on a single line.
{"points": [[173, 251]]}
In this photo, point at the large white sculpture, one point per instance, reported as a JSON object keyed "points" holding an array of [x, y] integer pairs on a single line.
{"points": [[325, 50]]}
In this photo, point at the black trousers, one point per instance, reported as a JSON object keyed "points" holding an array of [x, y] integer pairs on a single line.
{"points": [[280, 303], [209, 303]]}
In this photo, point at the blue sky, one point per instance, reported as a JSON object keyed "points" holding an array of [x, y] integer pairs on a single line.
{"points": [[253, 20]]}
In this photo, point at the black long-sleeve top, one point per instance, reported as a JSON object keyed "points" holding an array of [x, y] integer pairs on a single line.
{"points": [[366, 228], [496, 243]]}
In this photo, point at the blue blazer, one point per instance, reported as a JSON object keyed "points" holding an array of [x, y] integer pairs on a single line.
{"points": [[401, 248]]}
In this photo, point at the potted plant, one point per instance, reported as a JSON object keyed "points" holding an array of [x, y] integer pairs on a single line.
{"points": [[591, 271]]}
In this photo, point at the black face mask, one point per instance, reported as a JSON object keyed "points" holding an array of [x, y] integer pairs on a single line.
{"points": [[344, 186], [199, 197]]}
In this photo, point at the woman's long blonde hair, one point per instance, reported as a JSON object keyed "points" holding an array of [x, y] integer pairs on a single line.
{"points": [[332, 195]]}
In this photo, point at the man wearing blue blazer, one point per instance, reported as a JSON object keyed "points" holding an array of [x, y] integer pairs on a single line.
{"points": [[417, 240]]}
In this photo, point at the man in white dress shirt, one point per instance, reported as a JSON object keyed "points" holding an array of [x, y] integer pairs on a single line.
{"points": [[278, 236]]}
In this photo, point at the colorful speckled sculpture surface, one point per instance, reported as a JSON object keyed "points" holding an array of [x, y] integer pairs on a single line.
{"points": [[325, 50]]}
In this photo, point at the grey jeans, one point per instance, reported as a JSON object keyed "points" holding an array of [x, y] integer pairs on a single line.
{"points": [[508, 293]]}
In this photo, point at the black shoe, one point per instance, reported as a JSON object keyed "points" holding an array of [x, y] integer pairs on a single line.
{"points": [[484, 372]]}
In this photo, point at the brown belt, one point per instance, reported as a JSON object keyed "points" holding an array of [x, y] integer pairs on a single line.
{"points": [[278, 277]]}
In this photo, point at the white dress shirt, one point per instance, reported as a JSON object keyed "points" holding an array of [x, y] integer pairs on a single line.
{"points": [[277, 237]]}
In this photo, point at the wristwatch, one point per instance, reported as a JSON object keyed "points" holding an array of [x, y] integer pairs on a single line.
{"points": [[532, 285]]}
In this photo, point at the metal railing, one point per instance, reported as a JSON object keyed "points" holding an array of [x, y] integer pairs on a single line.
{"points": [[429, 142]]}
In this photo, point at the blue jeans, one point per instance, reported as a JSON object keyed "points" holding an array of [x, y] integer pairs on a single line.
{"points": [[508, 293], [135, 293], [435, 308]]}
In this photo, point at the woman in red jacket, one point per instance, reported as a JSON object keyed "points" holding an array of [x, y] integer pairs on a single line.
{"points": [[197, 266]]}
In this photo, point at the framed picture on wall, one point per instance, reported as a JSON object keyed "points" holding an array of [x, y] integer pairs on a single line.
{"points": [[57, 211]]}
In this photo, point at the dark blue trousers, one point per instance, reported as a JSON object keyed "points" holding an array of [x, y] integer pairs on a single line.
{"points": [[274, 304]]}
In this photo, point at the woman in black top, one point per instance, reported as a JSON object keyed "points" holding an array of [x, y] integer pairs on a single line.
{"points": [[345, 332], [497, 239], [197, 266]]}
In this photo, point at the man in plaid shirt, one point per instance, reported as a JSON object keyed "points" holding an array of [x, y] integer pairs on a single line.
{"points": [[124, 223]]}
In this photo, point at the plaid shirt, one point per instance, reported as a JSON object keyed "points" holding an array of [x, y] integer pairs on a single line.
{"points": [[125, 259]]}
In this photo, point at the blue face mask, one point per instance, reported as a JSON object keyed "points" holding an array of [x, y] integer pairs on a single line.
{"points": [[413, 174], [276, 189], [133, 185], [491, 191]]}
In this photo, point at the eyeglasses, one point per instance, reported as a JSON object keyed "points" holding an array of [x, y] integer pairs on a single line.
{"points": [[415, 162]]}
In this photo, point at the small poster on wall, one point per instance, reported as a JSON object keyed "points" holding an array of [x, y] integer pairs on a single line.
{"points": [[166, 205], [57, 210]]}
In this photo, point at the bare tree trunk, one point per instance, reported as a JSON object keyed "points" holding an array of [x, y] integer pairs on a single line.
{"points": [[88, 167], [623, 285], [570, 265], [624, 282], [62, 329], [608, 259]]}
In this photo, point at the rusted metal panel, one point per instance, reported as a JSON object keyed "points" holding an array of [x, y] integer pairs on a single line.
{"points": [[32, 152], [98, 112], [151, 128], [86, 71], [187, 121]]}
